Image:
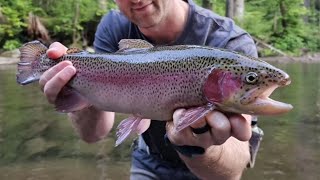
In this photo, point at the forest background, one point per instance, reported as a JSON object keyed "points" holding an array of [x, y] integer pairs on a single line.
{"points": [[278, 26]]}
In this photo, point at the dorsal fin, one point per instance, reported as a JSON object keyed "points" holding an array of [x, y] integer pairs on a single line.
{"points": [[127, 44], [74, 50]]}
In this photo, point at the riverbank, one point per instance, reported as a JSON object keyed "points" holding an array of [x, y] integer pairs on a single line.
{"points": [[309, 58], [8, 60]]}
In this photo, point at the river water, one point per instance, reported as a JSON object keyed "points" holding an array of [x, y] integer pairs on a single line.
{"points": [[37, 143]]}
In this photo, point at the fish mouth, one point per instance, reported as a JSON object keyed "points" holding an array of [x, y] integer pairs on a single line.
{"points": [[264, 105]]}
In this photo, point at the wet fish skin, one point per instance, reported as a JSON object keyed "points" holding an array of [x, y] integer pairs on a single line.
{"points": [[152, 82]]}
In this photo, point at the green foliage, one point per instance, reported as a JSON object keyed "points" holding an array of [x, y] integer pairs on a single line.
{"points": [[285, 24], [11, 44], [63, 21], [13, 22], [289, 42], [281, 23]]}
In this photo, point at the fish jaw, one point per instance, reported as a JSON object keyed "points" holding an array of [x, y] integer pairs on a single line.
{"points": [[268, 106], [262, 105]]}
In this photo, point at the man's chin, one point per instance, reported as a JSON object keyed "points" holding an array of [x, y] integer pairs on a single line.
{"points": [[146, 23]]}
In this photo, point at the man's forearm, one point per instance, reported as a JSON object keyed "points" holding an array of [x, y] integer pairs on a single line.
{"points": [[225, 163], [92, 124]]}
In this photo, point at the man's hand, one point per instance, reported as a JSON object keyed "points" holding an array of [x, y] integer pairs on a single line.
{"points": [[55, 78], [224, 142], [91, 124], [222, 127]]}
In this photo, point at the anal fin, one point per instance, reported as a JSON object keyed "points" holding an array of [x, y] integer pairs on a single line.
{"points": [[192, 115]]}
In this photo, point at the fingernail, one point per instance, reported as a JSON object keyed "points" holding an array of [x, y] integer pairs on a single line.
{"points": [[70, 70]]}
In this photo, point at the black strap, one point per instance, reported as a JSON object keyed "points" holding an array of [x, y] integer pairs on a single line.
{"points": [[154, 138], [186, 150]]}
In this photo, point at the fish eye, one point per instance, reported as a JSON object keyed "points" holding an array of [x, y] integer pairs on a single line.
{"points": [[251, 78]]}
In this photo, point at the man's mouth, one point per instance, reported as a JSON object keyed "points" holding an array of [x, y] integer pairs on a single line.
{"points": [[141, 7]]}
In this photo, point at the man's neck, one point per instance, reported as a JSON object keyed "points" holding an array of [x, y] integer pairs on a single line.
{"points": [[171, 27]]}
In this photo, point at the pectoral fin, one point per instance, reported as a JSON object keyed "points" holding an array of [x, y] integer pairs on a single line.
{"points": [[192, 115]]}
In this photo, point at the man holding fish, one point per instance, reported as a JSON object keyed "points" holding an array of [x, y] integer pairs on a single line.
{"points": [[215, 147]]}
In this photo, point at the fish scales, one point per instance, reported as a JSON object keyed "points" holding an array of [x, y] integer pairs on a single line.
{"points": [[121, 83], [152, 82]]}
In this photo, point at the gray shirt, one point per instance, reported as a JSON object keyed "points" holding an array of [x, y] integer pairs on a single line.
{"points": [[203, 28]]}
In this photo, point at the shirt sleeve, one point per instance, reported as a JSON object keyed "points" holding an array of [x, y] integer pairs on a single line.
{"points": [[112, 28], [243, 44]]}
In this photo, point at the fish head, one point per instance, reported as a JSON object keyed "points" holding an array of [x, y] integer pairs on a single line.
{"points": [[245, 87]]}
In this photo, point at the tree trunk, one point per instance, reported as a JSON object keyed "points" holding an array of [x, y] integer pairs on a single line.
{"points": [[207, 4], [317, 9], [2, 18], [307, 4], [239, 9], [36, 30], [284, 12], [235, 9], [230, 8], [317, 4], [75, 34]]}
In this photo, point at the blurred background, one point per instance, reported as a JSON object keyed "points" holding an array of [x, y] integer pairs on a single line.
{"points": [[38, 143]]}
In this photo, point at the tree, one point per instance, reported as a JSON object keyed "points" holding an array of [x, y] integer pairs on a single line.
{"points": [[230, 8], [281, 23], [13, 22], [36, 30], [207, 4], [76, 32], [239, 9], [235, 9]]}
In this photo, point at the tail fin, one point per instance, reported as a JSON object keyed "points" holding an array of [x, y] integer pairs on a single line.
{"points": [[29, 65]]}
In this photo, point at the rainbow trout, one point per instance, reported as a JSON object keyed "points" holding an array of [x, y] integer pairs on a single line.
{"points": [[152, 82]]}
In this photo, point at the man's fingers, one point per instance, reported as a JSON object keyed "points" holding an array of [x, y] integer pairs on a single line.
{"points": [[178, 138], [143, 126], [187, 136], [56, 50], [220, 127], [55, 84], [177, 114], [50, 73], [241, 127]]}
